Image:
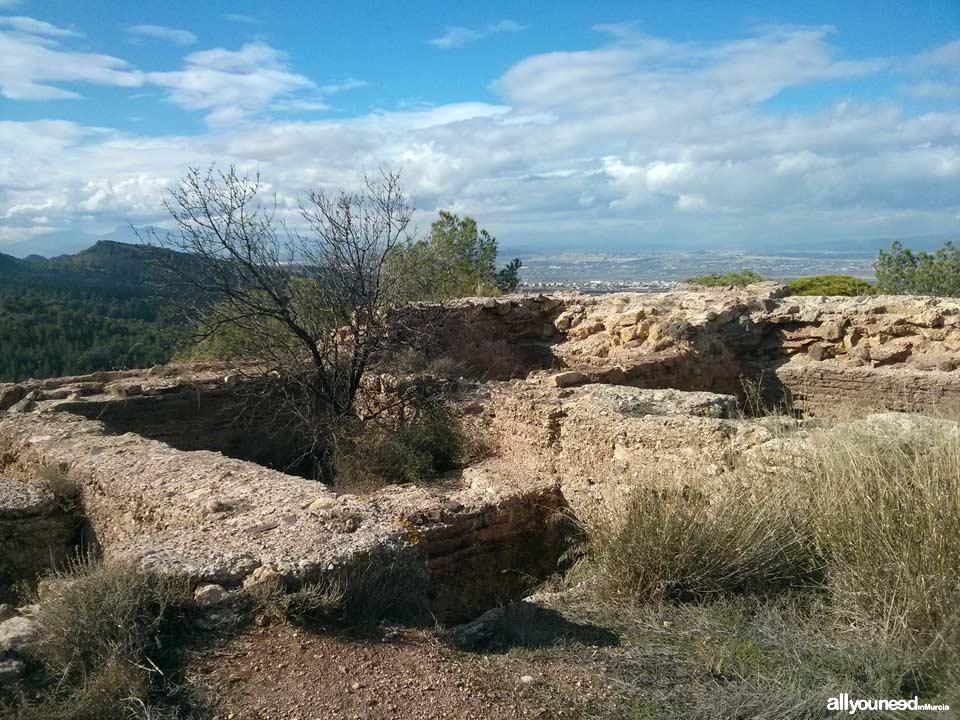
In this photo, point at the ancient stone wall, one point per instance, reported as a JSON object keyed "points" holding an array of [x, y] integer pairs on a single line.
{"points": [[883, 352], [241, 422], [825, 388], [37, 534], [592, 400], [489, 339], [221, 520]]}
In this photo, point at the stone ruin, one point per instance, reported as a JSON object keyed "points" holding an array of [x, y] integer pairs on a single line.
{"points": [[580, 397]]}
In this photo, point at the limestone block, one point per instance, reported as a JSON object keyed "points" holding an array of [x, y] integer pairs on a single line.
{"points": [[570, 378]]}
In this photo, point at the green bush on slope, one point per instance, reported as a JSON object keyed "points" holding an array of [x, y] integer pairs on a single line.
{"points": [[830, 285], [736, 278]]}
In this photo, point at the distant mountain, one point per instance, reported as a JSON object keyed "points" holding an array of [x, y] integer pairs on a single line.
{"points": [[107, 257], [97, 309], [8, 263], [104, 264], [68, 242], [71, 242]]}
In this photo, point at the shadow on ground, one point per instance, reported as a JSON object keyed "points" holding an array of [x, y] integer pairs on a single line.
{"points": [[529, 626]]}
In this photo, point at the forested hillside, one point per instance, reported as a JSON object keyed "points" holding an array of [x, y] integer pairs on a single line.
{"points": [[96, 310]]}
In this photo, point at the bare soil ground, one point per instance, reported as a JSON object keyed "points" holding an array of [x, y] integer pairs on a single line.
{"points": [[285, 672]]}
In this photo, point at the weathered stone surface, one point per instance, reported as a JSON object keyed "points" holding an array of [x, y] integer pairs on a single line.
{"points": [[35, 534], [567, 379], [821, 388], [209, 594], [622, 391], [478, 633], [16, 633], [148, 501], [10, 396], [629, 401], [23, 500], [11, 670], [596, 442]]}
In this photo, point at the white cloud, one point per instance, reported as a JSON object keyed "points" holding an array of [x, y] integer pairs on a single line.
{"points": [[947, 55], [639, 140], [454, 37], [299, 105], [641, 70], [32, 64], [343, 86], [692, 203], [241, 18], [930, 89], [317, 102], [35, 27], [228, 85], [159, 32], [231, 85]]}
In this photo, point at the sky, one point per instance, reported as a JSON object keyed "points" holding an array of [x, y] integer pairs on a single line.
{"points": [[605, 126]]}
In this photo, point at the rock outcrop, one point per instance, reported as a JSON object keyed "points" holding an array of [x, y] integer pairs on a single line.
{"points": [[582, 399]]}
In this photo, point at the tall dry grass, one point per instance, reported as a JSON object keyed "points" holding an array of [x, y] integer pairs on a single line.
{"points": [[665, 543], [868, 521], [883, 502]]}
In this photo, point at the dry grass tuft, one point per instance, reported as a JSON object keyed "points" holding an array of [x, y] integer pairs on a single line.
{"points": [[66, 491], [867, 526], [103, 638], [672, 544], [387, 587], [885, 515]]}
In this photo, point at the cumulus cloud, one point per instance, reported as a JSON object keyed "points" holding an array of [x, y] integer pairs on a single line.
{"points": [[651, 71], [454, 37], [160, 32], [227, 85], [640, 140], [231, 85], [33, 64]]}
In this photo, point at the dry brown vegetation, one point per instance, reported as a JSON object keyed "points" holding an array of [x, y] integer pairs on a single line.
{"points": [[794, 580]]}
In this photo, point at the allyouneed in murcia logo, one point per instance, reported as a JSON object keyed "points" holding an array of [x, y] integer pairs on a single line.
{"points": [[844, 703]]}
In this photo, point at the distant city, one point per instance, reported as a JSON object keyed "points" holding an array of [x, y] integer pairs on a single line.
{"points": [[645, 271], [659, 271]]}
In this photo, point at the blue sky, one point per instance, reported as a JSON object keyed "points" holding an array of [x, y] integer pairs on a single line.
{"points": [[615, 125]]}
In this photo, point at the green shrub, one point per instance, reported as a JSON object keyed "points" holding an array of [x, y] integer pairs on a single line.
{"points": [[735, 278], [900, 271], [456, 259], [830, 285], [413, 449]]}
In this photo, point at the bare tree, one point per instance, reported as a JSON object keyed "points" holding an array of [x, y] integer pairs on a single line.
{"points": [[307, 305]]}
